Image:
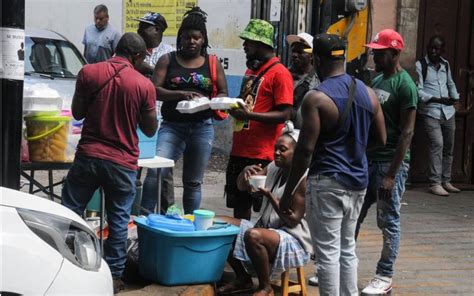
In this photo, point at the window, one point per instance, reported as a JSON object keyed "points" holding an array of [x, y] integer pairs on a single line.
{"points": [[57, 58]]}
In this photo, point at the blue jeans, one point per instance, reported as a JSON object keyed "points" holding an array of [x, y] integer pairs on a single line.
{"points": [[193, 140], [332, 211], [85, 176], [388, 213]]}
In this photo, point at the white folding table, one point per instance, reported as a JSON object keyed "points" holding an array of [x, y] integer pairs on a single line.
{"points": [[157, 163]]}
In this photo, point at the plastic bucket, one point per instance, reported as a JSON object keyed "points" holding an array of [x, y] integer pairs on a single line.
{"points": [[47, 138], [203, 219]]}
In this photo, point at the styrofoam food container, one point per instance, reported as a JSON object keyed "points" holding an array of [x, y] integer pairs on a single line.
{"points": [[193, 106], [225, 103], [257, 181]]}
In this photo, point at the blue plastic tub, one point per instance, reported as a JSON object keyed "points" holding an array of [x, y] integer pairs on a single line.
{"points": [[180, 258], [146, 145]]}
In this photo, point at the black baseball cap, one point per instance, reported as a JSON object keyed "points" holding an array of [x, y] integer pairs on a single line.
{"points": [[329, 45], [155, 19]]}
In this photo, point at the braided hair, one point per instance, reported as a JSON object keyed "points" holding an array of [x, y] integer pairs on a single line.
{"points": [[194, 19]]}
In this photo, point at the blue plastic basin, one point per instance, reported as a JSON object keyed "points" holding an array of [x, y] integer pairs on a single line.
{"points": [[180, 257]]}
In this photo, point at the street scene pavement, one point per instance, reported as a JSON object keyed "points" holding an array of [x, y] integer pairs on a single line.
{"points": [[437, 245]]}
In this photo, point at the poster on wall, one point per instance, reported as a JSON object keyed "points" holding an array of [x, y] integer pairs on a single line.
{"points": [[172, 10], [12, 54]]}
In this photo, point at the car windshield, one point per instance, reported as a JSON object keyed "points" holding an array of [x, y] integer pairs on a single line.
{"points": [[55, 58]]}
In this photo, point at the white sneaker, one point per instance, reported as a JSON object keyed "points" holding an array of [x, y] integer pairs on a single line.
{"points": [[313, 281], [379, 285]]}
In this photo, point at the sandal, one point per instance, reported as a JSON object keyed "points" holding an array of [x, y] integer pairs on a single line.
{"points": [[234, 287]]}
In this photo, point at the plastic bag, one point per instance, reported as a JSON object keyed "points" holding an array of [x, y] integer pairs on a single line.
{"points": [[174, 211]]}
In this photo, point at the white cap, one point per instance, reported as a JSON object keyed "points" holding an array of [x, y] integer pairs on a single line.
{"points": [[304, 38]]}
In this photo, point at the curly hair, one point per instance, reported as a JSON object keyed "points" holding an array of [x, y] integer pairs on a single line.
{"points": [[194, 19]]}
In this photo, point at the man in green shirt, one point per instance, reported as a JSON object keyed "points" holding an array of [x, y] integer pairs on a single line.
{"points": [[388, 166]]}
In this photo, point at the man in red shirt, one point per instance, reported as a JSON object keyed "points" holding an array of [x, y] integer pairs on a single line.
{"points": [[267, 90], [113, 99]]}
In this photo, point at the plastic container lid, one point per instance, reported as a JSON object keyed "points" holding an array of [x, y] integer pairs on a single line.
{"points": [[169, 223], [48, 118], [204, 213], [225, 103], [230, 230]]}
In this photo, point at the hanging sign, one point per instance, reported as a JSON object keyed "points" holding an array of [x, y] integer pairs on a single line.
{"points": [[172, 11], [12, 56]]}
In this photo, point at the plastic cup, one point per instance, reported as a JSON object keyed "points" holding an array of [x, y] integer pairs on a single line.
{"points": [[257, 181], [203, 219]]}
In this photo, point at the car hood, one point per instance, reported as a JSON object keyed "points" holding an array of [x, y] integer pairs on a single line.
{"points": [[22, 200], [64, 86]]}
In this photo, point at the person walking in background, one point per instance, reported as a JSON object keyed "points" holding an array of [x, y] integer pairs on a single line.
{"points": [[100, 39], [113, 99], [438, 94], [389, 165], [302, 70], [267, 90], [151, 27], [184, 75], [338, 117]]}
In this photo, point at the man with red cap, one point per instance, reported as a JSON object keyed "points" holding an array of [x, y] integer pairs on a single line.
{"points": [[388, 166]]}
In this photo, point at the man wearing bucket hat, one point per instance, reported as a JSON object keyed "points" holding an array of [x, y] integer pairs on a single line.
{"points": [[337, 118], [389, 165], [267, 90], [302, 70], [113, 99]]}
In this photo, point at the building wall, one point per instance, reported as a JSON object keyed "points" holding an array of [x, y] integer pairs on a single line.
{"points": [[407, 25], [402, 16], [384, 15]]}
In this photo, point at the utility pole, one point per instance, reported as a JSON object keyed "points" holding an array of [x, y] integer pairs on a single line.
{"points": [[11, 76]]}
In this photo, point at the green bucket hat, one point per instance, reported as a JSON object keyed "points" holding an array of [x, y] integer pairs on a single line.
{"points": [[260, 31]]}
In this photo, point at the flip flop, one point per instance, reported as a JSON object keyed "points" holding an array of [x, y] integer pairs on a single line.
{"points": [[234, 287]]}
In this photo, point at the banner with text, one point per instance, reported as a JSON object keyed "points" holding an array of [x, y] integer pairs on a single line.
{"points": [[171, 10]]}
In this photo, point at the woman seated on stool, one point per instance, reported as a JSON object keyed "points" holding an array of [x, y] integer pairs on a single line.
{"points": [[277, 241]]}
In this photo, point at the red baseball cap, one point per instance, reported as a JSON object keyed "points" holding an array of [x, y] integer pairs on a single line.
{"points": [[387, 38]]}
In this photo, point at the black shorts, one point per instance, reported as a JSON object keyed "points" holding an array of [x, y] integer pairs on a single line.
{"points": [[234, 197]]}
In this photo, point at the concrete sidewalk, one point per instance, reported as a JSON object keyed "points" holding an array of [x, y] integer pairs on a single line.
{"points": [[437, 246]]}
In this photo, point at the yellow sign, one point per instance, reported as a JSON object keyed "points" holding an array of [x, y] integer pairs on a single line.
{"points": [[357, 35], [172, 10]]}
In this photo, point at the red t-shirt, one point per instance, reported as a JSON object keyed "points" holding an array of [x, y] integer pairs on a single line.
{"points": [[257, 139], [110, 125]]}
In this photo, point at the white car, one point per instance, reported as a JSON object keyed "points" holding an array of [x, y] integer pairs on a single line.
{"points": [[46, 249], [52, 60]]}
